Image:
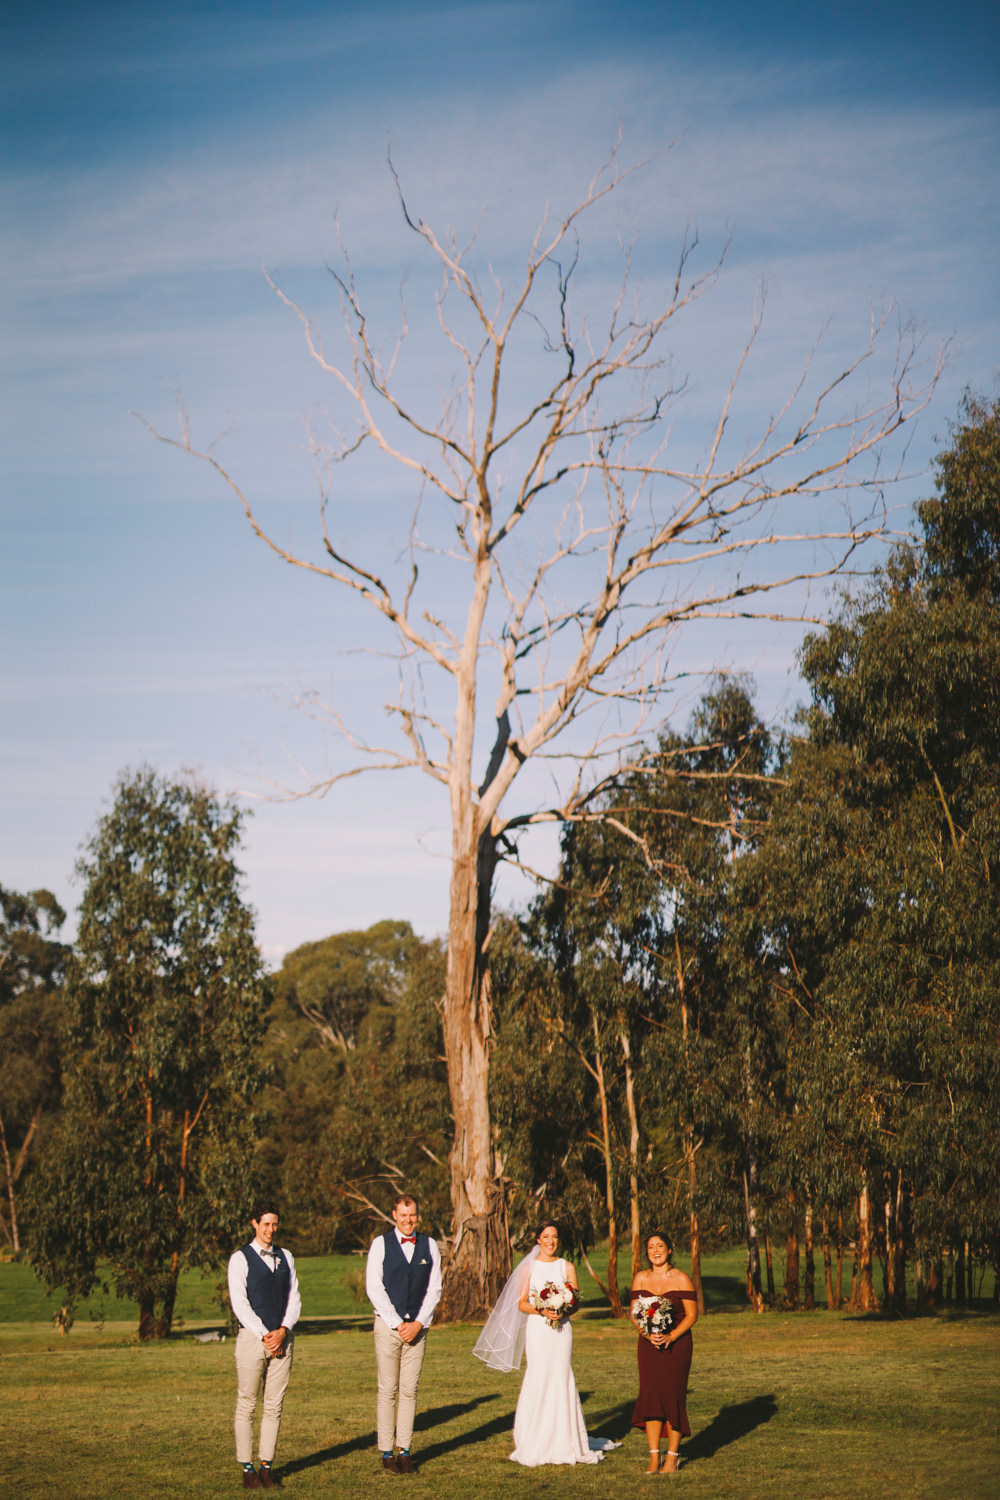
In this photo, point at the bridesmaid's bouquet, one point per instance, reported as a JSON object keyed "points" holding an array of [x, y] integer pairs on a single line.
{"points": [[558, 1297], [654, 1314]]}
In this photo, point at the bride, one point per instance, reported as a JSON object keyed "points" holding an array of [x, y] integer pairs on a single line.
{"points": [[548, 1424]]}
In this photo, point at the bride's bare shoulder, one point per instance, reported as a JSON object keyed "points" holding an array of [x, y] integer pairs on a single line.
{"points": [[640, 1280]]}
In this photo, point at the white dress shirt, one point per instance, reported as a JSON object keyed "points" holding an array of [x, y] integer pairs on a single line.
{"points": [[375, 1286], [238, 1289]]}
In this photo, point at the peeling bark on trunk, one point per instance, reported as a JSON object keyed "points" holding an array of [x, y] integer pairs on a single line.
{"points": [[755, 1295], [863, 1297], [809, 1299], [477, 1262], [10, 1187]]}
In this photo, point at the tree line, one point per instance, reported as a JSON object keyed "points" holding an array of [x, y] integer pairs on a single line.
{"points": [[757, 1003]]}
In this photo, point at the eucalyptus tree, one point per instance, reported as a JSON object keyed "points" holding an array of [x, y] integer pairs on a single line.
{"points": [[152, 1167], [557, 544], [357, 1096], [32, 962], [868, 920]]}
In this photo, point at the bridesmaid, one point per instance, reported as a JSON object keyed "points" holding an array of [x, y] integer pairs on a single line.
{"points": [[664, 1359]]}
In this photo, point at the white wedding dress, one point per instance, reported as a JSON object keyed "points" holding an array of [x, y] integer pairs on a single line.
{"points": [[548, 1425]]}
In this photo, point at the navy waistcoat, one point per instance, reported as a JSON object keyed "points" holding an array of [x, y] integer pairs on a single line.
{"points": [[406, 1282], [268, 1291]]}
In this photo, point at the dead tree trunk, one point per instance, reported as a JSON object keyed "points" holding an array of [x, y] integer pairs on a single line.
{"points": [[478, 1260]]}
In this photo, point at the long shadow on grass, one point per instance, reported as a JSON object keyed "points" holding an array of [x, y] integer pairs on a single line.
{"points": [[504, 1423], [613, 1422], [369, 1440], [729, 1425]]}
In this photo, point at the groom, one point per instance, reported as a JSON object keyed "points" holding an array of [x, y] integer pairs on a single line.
{"points": [[403, 1282]]}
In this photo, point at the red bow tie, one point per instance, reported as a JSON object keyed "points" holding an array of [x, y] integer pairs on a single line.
{"points": [[407, 1239]]}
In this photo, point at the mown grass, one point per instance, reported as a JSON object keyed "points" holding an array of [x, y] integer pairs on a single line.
{"points": [[821, 1405], [332, 1286]]}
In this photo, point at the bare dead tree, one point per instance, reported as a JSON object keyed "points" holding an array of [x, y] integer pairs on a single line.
{"points": [[581, 550]]}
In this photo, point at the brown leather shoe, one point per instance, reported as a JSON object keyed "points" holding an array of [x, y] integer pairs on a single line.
{"points": [[391, 1464], [269, 1480], [250, 1480], [405, 1464]]}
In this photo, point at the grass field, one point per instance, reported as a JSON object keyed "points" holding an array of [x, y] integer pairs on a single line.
{"points": [[332, 1286], [822, 1406]]}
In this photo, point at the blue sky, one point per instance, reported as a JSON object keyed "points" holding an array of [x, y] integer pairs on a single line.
{"points": [[157, 156]]}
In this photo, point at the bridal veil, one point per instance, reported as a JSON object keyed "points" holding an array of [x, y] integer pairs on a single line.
{"points": [[501, 1343]]}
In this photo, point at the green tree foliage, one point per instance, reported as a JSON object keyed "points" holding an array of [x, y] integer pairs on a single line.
{"points": [[31, 973], [358, 1096], [868, 924], [151, 1169]]}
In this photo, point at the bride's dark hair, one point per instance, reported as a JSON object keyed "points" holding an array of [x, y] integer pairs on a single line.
{"points": [[658, 1234], [546, 1224]]}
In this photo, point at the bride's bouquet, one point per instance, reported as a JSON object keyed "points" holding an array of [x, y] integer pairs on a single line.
{"points": [[558, 1297], [654, 1314]]}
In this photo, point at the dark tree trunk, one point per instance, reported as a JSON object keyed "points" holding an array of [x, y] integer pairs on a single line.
{"points": [[769, 1263], [961, 1290], [791, 1288], [828, 1261], [147, 1323], [899, 1249], [165, 1321], [840, 1262]]}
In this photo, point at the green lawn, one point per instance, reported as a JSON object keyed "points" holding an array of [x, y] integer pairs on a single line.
{"points": [[822, 1406], [332, 1286]]}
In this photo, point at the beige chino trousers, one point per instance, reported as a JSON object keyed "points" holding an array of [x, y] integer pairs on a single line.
{"points": [[398, 1366], [255, 1366]]}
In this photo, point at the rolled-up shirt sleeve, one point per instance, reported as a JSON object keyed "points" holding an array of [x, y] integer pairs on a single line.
{"points": [[375, 1287], [433, 1294], [238, 1296]]}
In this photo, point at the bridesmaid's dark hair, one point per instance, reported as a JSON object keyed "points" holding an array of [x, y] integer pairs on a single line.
{"points": [[546, 1224], [658, 1234]]}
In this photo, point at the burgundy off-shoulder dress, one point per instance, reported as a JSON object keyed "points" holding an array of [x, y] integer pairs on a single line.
{"points": [[663, 1374]]}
